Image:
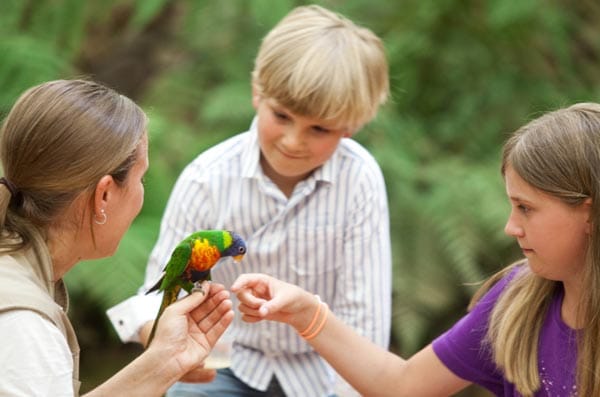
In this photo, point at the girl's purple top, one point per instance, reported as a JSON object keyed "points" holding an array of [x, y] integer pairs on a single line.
{"points": [[462, 349]]}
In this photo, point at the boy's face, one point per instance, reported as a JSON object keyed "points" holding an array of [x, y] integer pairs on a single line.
{"points": [[292, 146]]}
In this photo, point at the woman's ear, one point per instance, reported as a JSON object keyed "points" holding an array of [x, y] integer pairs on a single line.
{"points": [[102, 195], [587, 205]]}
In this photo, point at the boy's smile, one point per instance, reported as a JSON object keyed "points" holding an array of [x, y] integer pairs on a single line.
{"points": [[293, 146]]}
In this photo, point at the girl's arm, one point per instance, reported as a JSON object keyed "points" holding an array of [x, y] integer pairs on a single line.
{"points": [[370, 369]]}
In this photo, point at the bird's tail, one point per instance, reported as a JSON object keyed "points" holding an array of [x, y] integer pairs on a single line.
{"points": [[156, 286], [168, 298]]}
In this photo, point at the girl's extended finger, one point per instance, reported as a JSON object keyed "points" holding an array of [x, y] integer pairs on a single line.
{"points": [[251, 319], [249, 310], [247, 297], [248, 280]]}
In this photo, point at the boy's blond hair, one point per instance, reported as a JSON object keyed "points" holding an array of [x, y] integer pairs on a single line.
{"points": [[319, 64]]}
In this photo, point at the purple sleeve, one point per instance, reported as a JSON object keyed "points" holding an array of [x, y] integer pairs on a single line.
{"points": [[462, 349]]}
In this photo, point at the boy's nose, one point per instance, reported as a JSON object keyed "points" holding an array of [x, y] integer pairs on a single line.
{"points": [[293, 139]]}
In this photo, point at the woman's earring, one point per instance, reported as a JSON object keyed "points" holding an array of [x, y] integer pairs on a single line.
{"points": [[103, 219]]}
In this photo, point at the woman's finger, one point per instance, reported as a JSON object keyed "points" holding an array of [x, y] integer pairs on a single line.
{"points": [[217, 325], [190, 302], [208, 306]]}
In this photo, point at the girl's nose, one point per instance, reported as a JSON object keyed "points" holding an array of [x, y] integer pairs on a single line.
{"points": [[512, 228]]}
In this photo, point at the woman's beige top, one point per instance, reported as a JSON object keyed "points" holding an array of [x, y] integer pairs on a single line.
{"points": [[26, 284]]}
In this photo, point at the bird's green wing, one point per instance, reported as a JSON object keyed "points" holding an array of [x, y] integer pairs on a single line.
{"points": [[176, 265]]}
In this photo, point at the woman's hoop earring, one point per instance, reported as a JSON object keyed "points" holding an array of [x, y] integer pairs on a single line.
{"points": [[101, 221]]}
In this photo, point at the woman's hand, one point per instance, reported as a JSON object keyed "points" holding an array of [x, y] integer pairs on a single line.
{"points": [[190, 327], [263, 297]]}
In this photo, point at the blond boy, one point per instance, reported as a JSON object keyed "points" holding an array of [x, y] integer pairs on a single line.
{"points": [[310, 203]]}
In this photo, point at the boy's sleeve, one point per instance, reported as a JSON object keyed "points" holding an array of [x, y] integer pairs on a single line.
{"points": [[130, 315], [363, 299]]}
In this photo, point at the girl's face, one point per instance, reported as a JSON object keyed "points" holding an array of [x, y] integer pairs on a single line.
{"points": [[293, 146], [552, 234]]}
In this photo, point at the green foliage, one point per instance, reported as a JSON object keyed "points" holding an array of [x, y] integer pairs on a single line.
{"points": [[464, 73]]}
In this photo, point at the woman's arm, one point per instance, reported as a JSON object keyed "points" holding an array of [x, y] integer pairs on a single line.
{"points": [[186, 333], [370, 369]]}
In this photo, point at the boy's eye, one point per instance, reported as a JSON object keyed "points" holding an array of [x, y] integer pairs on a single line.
{"points": [[280, 115], [320, 129], [523, 208]]}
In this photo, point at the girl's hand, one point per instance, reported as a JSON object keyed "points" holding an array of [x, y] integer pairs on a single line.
{"points": [[263, 297]]}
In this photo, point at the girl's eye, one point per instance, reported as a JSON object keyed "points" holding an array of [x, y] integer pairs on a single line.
{"points": [[523, 208]]}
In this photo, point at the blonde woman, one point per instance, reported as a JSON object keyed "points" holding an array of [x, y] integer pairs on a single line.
{"points": [[533, 329], [74, 154]]}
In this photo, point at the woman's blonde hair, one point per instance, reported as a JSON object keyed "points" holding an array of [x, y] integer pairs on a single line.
{"points": [[559, 154], [319, 64], [57, 141]]}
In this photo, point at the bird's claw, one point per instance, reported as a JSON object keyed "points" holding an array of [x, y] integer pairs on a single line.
{"points": [[198, 287]]}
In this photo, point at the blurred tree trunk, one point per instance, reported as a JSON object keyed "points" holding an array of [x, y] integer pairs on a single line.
{"points": [[129, 59]]}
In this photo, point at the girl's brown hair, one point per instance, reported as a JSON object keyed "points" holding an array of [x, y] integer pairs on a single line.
{"points": [[559, 154]]}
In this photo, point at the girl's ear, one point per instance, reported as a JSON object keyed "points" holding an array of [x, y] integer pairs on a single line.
{"points": [[103, 194]]}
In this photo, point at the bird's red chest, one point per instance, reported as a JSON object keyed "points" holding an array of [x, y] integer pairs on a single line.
{"points": [[204, 255]]}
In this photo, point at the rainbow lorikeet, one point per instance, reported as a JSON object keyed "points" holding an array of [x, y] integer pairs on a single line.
{"points": [[191, 262]]}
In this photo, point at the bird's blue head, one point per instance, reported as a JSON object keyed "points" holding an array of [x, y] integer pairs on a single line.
{"points": [[237, 249]]}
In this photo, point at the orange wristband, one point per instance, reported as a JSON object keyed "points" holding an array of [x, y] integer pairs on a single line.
{"points": [[314, 320], [321, 325]]}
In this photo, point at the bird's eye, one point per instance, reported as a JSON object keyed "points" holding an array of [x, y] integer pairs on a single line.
{"points": [[242, 250]]}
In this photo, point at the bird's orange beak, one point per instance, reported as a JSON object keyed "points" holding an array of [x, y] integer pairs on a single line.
{"points": [[238, 258]]}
